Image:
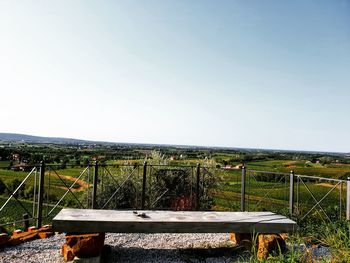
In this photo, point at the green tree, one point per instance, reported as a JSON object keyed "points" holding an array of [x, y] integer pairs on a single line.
{"points": [[86, 161], [157, 158]]}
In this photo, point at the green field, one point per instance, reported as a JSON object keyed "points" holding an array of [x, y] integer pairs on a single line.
{"points": [[265, 191], [318, 204], [270, 192], [337, 171], [13, 212]]}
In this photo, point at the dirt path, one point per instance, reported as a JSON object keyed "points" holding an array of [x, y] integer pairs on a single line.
{"points": [[237, 196], [328, 185], [81, 183]]}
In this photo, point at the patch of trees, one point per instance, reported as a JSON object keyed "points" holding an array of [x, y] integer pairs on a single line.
{"points": [[10, 186], [175, 183], [265, 177], [165, 189]]}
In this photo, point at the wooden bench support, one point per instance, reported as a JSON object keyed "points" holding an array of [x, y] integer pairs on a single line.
{"points": [[82, 246], [264, 244]]}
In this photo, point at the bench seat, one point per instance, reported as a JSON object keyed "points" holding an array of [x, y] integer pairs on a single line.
{"points": [[159, 221]]}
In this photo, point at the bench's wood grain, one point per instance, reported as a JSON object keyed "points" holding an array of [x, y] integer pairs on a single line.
{"points": [[126, 221]]}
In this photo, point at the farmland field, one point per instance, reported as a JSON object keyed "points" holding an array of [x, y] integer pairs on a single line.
{"points": [[172, 181], [337, 170], [264, 191]]}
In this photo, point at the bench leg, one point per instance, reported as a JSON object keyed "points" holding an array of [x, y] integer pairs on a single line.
{"points": [[264, 244], [83, 246]]}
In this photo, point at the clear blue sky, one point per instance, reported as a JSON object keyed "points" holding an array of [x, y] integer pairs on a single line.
{"points": [[259, 74]]}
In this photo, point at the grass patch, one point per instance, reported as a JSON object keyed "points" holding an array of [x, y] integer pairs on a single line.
{"points": [[337, 237], [301, 167]]}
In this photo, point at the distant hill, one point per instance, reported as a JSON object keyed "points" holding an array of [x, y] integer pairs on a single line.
{"points": [[15, 137]]}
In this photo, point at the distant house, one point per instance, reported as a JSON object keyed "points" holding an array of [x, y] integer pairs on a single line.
{"points": [[22, 166], [16, 157], [239, 166], [231, 167], [98, 158]]}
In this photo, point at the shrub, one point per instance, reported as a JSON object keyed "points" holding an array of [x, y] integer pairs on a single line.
{"points": [[13, 185], [2, 187], [29, 192]]}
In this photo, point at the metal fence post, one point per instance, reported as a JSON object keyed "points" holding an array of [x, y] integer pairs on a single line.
{"points": [[25, 221], [243, 188], [348, 199], [291, 193], [94, 185], [198, 175], [40, 195], [144, 178]]}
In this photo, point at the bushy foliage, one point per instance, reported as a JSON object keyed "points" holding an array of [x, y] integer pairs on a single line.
{"points": [[170, 184], [265, 177], [29, 192], [336, 235], [2, 187], [116, 190], [13, 185], [157, 158]]}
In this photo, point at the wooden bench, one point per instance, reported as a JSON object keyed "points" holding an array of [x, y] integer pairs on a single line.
{"points": [[153, 221], [77, 222]]}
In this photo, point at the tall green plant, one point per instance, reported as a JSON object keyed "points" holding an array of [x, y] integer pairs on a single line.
{"points": [[337, 237], [157, 158]]}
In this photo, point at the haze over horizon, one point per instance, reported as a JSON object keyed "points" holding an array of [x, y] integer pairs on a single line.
{"points": [[270, 75], [69, 139]]}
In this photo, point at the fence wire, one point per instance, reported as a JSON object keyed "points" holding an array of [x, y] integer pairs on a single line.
{"points": [[175, 187]]}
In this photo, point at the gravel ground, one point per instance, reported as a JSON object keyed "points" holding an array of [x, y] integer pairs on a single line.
{"points": [[40, 250], [179, 248], [134, 248]]}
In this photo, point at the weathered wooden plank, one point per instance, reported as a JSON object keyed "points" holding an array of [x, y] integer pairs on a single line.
{"points": [[126, 221]]}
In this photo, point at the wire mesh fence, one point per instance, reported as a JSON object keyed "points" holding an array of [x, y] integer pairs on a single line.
{"points": [[319, 198], [267, 191], [223, 188], [301, 197], [18, 195], [39, 192]]}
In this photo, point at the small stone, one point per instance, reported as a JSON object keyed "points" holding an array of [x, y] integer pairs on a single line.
{"points": [[42, 235], [29, 236], [143, 215], [32, 228], [23, 237], [46, 228], [19, 238], [16, 232], [87, 260]]}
